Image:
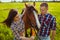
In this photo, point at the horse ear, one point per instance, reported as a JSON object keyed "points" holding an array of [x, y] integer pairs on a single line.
{"points": [[33, 3], [26, 5]]}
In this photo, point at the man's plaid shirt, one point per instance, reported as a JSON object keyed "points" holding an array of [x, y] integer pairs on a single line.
{"points": [[17, 28], [48, 22]]}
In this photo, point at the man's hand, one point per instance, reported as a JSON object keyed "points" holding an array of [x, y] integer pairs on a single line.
{"points": [[53, 34]]}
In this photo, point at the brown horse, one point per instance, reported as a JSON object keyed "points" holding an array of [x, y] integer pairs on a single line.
{"points": [[29, 19]]}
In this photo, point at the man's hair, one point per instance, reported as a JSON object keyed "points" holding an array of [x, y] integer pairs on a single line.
{"points": [[44, 4]]}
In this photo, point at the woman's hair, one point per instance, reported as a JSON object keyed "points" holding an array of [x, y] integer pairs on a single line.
{"points": [[10, 17]]}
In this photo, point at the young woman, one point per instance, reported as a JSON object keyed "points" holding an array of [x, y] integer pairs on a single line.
{"points": [[15, 22]]}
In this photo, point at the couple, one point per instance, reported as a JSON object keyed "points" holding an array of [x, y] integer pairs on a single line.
{"points": [[47, 22]]}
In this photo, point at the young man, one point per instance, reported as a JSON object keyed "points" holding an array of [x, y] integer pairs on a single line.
{"points": [[48, 23]]}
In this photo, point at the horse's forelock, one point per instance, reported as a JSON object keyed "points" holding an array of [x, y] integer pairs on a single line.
{"points": [[30, 9], [33, 9]]}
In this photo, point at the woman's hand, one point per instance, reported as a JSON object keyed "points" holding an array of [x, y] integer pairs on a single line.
{"points": [[22, 34]]}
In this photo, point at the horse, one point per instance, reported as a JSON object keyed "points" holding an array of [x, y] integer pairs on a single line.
{"points": [[30, 19]]}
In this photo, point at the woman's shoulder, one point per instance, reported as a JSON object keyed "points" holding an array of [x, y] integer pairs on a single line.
{"points": [[12, 24], [21, 21]]}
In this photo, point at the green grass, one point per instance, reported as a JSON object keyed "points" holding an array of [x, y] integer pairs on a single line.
{"points": [[5, 32]]}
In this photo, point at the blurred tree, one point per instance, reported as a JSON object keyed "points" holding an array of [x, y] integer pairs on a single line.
{"points": [[53, 0], [14, 0], [24, 0], [0, 1], [34, 0]]}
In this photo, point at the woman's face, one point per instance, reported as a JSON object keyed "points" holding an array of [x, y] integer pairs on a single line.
{"points": [[17, 17]]}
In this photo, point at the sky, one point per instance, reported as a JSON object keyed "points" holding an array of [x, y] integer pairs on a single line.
{"points": [[21, 0], [9, 0]]}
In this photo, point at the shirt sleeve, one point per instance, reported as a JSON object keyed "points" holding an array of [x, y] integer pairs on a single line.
{"points": [[53, 23], [15, 32]]}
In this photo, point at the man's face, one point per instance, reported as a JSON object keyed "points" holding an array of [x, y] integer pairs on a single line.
{"points": [[43, 9]]}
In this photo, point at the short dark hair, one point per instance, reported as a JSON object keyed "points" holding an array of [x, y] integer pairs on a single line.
{"points": [[44, 4]]}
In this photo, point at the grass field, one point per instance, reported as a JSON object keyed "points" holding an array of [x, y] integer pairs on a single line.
{"points": [[5, 32]]}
